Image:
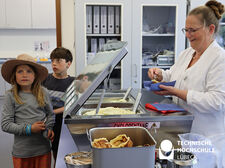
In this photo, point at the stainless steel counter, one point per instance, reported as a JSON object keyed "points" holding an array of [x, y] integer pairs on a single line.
{"points": [[147, 115], [170, 125]]}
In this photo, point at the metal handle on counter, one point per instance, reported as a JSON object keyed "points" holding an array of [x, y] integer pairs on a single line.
{"points": [[137, 101], [127, 93], [103, 91], [100, 101]]}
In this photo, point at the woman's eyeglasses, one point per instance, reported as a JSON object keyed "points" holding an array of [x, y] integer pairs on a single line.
{"points": [[190, 30]]}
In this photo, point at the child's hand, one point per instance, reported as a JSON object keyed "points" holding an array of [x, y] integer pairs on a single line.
{"points": [[37, 127], [51, 135]]}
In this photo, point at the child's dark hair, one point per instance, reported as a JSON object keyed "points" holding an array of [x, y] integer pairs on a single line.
{"points": [[61, 53]]}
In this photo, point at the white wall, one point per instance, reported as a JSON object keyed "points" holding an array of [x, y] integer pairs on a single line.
{"points": [[16, 41], [67, 22]]}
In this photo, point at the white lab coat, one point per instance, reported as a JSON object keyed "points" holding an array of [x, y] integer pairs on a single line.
{"points": [[205, 82]]}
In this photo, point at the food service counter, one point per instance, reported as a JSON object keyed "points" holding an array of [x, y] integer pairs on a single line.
{"points": [[161, 126]]}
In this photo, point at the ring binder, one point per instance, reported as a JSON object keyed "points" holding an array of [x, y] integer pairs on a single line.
{"points": [[89, 19], [111, 20], [117, 20], [94, 45], [96, 18], [103, 19], [101, 43]]}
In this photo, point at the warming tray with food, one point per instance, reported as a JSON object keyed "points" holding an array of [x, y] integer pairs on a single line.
{"points": [[122, 147], [118, 97], [76, 104], [112, 108], [108, 111], [109, 102]]}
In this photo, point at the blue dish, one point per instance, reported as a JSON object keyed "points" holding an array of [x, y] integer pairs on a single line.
{"points": [[167, 107], [155, 86], [147, 85]]}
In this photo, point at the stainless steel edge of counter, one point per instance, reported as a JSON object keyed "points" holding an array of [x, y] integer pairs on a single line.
{"points": [[148, 97], [171, 124]]}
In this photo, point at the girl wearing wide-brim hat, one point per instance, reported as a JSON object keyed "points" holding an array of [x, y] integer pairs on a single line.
{"points": [[27, 112]]}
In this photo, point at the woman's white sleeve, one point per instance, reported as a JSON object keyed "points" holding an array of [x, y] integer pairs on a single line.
{"points": [[213, 98]]}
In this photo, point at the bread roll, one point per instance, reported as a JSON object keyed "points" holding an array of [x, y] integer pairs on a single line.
{"points": [[101, 143], [121, 141]]}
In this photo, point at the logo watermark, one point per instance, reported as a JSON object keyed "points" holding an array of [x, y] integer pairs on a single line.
{"points": [[186, 151], [166, 150], [196, 146]]}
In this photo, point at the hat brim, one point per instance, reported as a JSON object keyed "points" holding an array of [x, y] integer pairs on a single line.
{"points": [[8, 67]]}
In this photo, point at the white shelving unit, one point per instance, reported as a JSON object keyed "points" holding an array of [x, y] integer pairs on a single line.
{"points": [[88, 37], [158, 37], [166, 15], [221, 34], [103, 35]]}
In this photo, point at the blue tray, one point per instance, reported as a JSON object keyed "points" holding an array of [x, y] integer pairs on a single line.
{"points": [[155, 86]]}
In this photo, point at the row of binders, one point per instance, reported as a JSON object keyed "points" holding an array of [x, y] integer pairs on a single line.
{"points": [[95, 44], [103, 19]]}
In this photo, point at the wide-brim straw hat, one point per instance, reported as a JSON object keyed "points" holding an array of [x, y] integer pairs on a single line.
{"points": [[23, 59]]}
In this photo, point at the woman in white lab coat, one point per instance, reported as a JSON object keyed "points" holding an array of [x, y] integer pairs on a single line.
{"points": [[199, 73]]}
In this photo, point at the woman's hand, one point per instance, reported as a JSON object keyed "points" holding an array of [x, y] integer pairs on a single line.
{"points": [[37, 127], [155, 73], [169, 90], [51, 135]]}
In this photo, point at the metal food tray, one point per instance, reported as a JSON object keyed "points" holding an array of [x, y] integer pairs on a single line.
{"points": [[170, 124], [83, 110], [109, 104], [108, 100], [110, 97], [108, 93], [127, 157]]}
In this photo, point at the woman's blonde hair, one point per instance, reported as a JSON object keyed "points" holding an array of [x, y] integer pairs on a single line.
{"points": [[210, 13], [36, 89]]}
